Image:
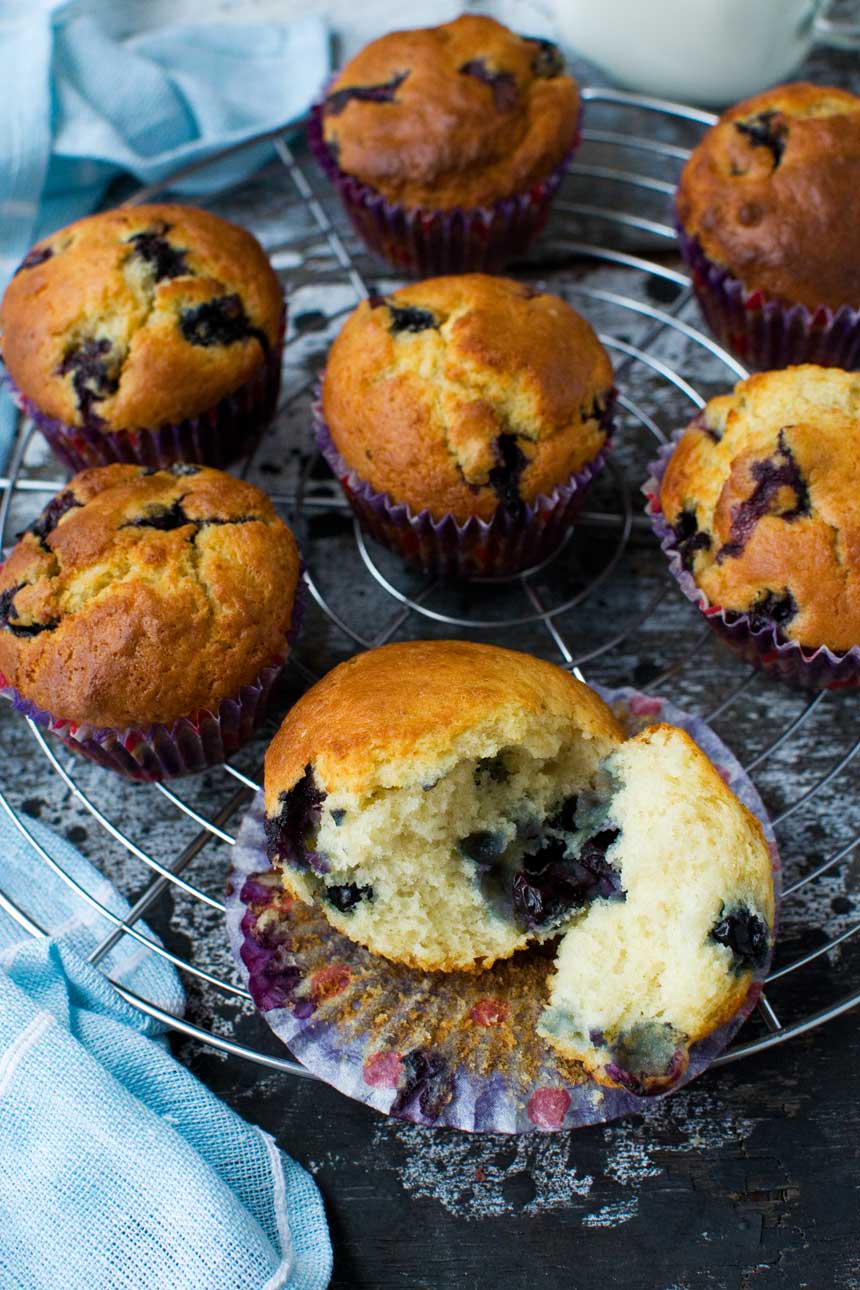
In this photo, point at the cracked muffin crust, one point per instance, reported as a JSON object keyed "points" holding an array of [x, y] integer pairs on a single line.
{"points": [[770, 194], [139, 317], [446, 804], [142, 596], [466, 395], [763, 495], [460, 115]]}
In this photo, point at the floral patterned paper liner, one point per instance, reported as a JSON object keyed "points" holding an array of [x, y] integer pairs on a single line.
{"points": [[475, 548], [151, 754], [457, 1049], [763, 647], [216, 437], [425, 242], [762, 331]]}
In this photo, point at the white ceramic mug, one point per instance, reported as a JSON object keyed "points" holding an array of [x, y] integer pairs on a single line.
{"points": [[701, 51]]}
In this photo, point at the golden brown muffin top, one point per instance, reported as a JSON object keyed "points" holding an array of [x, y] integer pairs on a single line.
{"points": [[142, 596], [410, 702], [137, 317], [771, 194], [459, 115], [763, 491], [464, 394]]}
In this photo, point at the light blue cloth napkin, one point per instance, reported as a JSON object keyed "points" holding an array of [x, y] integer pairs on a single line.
{"points": [[118, 1169], [77, 108]]}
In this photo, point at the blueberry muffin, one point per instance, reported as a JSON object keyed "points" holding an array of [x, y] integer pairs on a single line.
{"points": [[640, 978], [465, 119], [759, 500], [423, 792], [465, 417], [766, 209], [145, 614], [148, 334], [447, 804]]}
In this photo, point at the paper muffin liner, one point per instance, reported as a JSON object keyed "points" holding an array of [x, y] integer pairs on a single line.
{"points": [[474, 548], [198, 741], [422, 242], [217, 437], [454, 1049], [764, 647], [764, 332]]}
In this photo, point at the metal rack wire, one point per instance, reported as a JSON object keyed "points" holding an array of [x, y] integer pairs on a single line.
{"points": [[633, 152]]}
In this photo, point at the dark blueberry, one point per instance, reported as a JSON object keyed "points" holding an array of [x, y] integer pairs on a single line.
{"points": [[746, 935], [597, 410], [548, 61], [504, 477], [483, 848], [771, 609], [94, 375], [772, 476], [551, 884], [425, 1077], [493, 768], [166, 260], [290, 834], [161, 517], [38, 255], [51, 515], [689, 538], [347, 896], [179, 469], [405, 317], [565, 816], [7, 611], [503, 84], [766, 131], [647, 1057], [338, 816], [383, 93], [221, 321]]}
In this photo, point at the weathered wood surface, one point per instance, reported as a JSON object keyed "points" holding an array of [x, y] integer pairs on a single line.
{"points": [[749, 1178]]}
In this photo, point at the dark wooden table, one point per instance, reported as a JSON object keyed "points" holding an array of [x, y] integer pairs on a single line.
{"points": [[746, 1179]]}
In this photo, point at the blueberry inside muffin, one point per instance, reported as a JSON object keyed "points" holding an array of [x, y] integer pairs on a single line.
{"points": [[139, 317], [464, 114], [467, 395], [140, 596], [761, 495]]}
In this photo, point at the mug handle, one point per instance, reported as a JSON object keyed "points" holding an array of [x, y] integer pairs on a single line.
{"points": [[838, 35]]}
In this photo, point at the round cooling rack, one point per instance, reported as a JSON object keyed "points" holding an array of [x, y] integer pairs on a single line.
{"points": [[604, 605]]}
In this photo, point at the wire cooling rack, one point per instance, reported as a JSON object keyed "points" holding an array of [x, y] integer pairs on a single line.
{"points": [[603, 606]]}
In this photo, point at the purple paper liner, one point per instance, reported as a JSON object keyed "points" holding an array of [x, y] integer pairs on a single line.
{"points": [[196, 742], [422, 242], [474, 548], [453, 1049], [762, 331], [763, 647], [217, 437]]}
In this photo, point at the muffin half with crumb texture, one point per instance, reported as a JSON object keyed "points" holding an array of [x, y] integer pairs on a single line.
{"points": [[447, 804], [465, 418], [149, 334], [639, 979], [759, 513], [145, 614], [419, 789]]}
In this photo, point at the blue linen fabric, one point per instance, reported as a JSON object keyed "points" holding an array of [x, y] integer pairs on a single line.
{"points": [[79, 108], [118, 1169]]}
